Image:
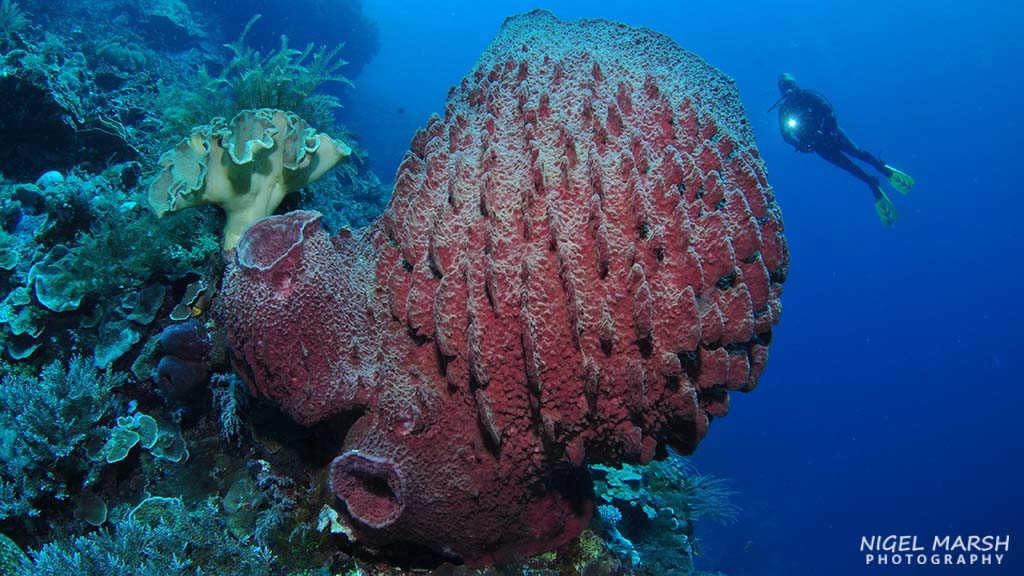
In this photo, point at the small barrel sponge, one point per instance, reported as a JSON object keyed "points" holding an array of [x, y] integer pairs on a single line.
{"points": [[373, 488], [245, 166]]}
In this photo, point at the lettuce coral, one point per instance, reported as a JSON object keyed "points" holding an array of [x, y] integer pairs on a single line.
{"points": [[245, 166]]}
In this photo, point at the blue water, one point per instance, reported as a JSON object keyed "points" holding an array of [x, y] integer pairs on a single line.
{"points": [[892, 403]]}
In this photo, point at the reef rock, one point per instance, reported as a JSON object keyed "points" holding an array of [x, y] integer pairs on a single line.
{"points": [[578, 263]]}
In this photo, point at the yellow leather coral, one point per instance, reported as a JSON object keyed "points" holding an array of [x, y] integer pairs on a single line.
{"points": [[245, 166]]}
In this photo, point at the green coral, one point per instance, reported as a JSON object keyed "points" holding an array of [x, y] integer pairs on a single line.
{"points": [[20, 316], [86, 252], [123, 245], [9, 253], [56, 285], [119, 444], [649, 512], [122, 54], [142, 424], [161, 439], [169, 444], [287, 79], [160, 536], [678, 485], [45, 421], [12, 21], [114, 339], [12, 558]]}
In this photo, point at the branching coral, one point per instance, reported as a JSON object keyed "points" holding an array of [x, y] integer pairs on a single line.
{"points": [[12, 20], [229, 398], [159, 536], [44, 424]]}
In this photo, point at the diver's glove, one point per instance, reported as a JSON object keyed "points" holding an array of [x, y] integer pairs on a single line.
{"points": [[886, 211], [900, 180]]}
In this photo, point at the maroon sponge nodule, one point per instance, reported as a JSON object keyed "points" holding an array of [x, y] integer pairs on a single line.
{"points": [[578, 264]]}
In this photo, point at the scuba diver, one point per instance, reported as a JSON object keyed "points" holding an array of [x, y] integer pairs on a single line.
{"points": [[808, 122]]}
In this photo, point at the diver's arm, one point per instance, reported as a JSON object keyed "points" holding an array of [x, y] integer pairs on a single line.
{"points": [[800, 147], [791, 113]]}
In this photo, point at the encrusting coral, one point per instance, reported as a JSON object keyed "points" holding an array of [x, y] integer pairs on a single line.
{"points": [[245, 166]]}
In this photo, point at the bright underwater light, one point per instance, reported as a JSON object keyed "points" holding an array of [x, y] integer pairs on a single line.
{"points": [[791, 122]]}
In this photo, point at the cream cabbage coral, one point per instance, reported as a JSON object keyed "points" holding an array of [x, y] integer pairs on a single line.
{"points": [[245, 166]]}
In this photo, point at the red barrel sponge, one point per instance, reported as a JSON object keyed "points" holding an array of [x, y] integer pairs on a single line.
{"points": [[578, 264]]}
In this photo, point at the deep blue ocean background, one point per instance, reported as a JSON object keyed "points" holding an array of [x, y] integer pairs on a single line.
{"points": [[892, 403]]}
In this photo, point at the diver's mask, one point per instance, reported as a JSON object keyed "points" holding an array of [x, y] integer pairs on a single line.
{"points": [[787, 84], [787, 87]]}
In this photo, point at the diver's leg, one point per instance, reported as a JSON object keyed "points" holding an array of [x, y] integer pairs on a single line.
{"points": [[836, 156], [883, 206], [900, 180], [847, 146]]}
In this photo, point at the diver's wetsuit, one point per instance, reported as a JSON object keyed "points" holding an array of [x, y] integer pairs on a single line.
{"points": [[808, 122]]}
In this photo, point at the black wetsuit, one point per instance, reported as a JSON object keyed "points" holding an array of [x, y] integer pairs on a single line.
{"points": [[808, 122]]}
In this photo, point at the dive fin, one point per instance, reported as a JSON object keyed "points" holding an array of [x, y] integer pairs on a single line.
{"points": [[900, 180], [886, 211]]}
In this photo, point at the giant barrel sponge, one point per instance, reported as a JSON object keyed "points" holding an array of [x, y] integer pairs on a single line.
{"points": [[578, 264]]}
